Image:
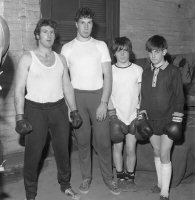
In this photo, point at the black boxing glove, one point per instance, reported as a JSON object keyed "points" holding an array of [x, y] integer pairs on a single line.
{"points": [[174, 129], [144, 130], [114, 120], [117, 128], [76, 119], [23, 126], [116, 134]]}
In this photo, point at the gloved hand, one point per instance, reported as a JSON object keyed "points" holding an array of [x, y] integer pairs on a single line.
{"points": [[174, 129], [114, 120], [118, 129], [23, 126], [76, 119], [144, 130]]}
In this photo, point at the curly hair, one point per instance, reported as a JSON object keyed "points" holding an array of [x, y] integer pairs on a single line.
{"points": [[84, 12]]}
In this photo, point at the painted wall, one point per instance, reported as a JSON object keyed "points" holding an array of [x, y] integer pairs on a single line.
{"points": [[139, 19], [174, 19]]}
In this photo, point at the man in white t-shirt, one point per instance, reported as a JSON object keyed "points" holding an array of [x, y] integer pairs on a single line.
{"points": [[89, 65]]}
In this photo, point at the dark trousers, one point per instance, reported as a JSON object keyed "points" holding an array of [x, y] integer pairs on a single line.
{"points": [[87, 104], [53, 116]]}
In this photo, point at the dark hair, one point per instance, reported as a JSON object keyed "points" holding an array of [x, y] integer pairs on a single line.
{"points": [[44, 22], [120, 43], [156, 42], [84, 12]]}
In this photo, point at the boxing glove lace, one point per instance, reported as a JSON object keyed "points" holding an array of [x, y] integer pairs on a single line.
{"points": [[144, 130]]}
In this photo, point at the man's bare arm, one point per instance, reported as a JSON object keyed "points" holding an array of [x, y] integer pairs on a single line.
{"points": [[20, 82], [67, 87]]}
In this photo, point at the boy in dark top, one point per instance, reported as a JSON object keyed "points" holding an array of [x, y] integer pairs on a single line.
{"points": [[162, 102]]}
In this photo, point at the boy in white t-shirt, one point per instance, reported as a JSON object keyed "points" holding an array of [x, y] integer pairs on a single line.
{"points": [[122, 109]]}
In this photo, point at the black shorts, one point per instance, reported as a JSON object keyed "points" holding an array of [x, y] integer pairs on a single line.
{"points": [[158, 125]]}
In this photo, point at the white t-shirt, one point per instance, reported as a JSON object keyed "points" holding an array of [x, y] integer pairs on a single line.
{"points": [[44, 84], [125, 91], [84, 60]]}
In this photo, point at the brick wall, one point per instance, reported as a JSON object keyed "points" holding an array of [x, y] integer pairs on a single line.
{"points": [[174, 19], [21, 16]]}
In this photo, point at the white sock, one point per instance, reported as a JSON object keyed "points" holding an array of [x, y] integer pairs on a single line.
{"points": [[157, 163], [166, 178]]}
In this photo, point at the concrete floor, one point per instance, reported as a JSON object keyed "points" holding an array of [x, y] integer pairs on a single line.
{"points": [[48, 188]]}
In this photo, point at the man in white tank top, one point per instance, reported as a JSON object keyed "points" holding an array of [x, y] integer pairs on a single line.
{"points": [[89, 64], [44, 75]]}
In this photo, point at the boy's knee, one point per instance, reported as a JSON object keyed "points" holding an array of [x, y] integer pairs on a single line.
{"points": [[156, 152], [130, 152], [165, 157]]}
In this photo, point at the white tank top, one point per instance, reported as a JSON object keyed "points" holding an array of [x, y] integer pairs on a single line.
{"points": [[44, 84]]}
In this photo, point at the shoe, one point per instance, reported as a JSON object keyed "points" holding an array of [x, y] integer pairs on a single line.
{"points": [[164, 198], [155, 189], [122, 185], [131, 186], [84, 187], [72, 194], [113, 187]]}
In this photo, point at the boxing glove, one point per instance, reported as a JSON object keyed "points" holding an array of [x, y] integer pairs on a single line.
{"points": [[76, 119], [114, 120], [116, 133], [118, 129], [23, 126], [174, 129], [144, 130]]}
